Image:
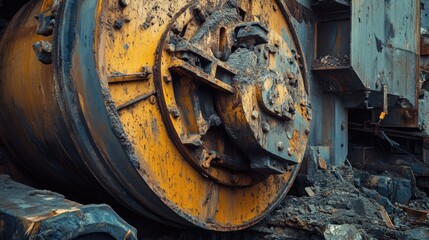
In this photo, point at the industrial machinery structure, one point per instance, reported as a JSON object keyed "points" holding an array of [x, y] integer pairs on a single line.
{"points": [[197, 113]]}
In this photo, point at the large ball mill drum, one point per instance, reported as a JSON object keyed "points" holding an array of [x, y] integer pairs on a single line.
{"points": [[187, 112]]}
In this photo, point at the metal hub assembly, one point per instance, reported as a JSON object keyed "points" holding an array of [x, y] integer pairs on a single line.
{"points": [[229, 91], [186, 112]]}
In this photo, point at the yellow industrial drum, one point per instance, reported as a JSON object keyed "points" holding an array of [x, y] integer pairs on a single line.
{"points": [[191, 113]]}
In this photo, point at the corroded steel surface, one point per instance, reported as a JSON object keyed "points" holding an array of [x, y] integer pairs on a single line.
{"points": [[197, 112], [187, 112], [28, 213]]}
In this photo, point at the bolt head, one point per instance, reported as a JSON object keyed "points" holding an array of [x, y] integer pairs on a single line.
{"points": [[152, 99], [290, 152], [175, 112], [280, 146], [146, 70], [265, 127], [255, 115]]}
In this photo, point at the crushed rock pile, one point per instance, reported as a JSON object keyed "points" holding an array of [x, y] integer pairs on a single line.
{"points": [[334, 208]]}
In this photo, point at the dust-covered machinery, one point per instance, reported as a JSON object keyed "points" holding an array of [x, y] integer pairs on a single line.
{"points": [[186, 112], [197, 113]]}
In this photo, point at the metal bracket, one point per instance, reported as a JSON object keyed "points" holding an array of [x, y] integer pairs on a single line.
{"points": [[46, 17], [251, 34], [192, 62]]}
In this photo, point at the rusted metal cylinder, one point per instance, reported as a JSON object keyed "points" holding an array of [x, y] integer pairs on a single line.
{"points": [[186, 112]]}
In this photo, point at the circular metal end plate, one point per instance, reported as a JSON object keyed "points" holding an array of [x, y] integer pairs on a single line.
{"points": [[211, 97], [187, 112]]}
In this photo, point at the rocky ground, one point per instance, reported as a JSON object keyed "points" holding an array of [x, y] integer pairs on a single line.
{"points": [[341, 210], [339, 204]]}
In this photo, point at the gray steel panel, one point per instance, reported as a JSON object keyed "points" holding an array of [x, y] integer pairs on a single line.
{"points": [[385, 44]]}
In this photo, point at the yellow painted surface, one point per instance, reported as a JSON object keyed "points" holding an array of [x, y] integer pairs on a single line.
{"points": [[126, 51], [22, 63]]}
